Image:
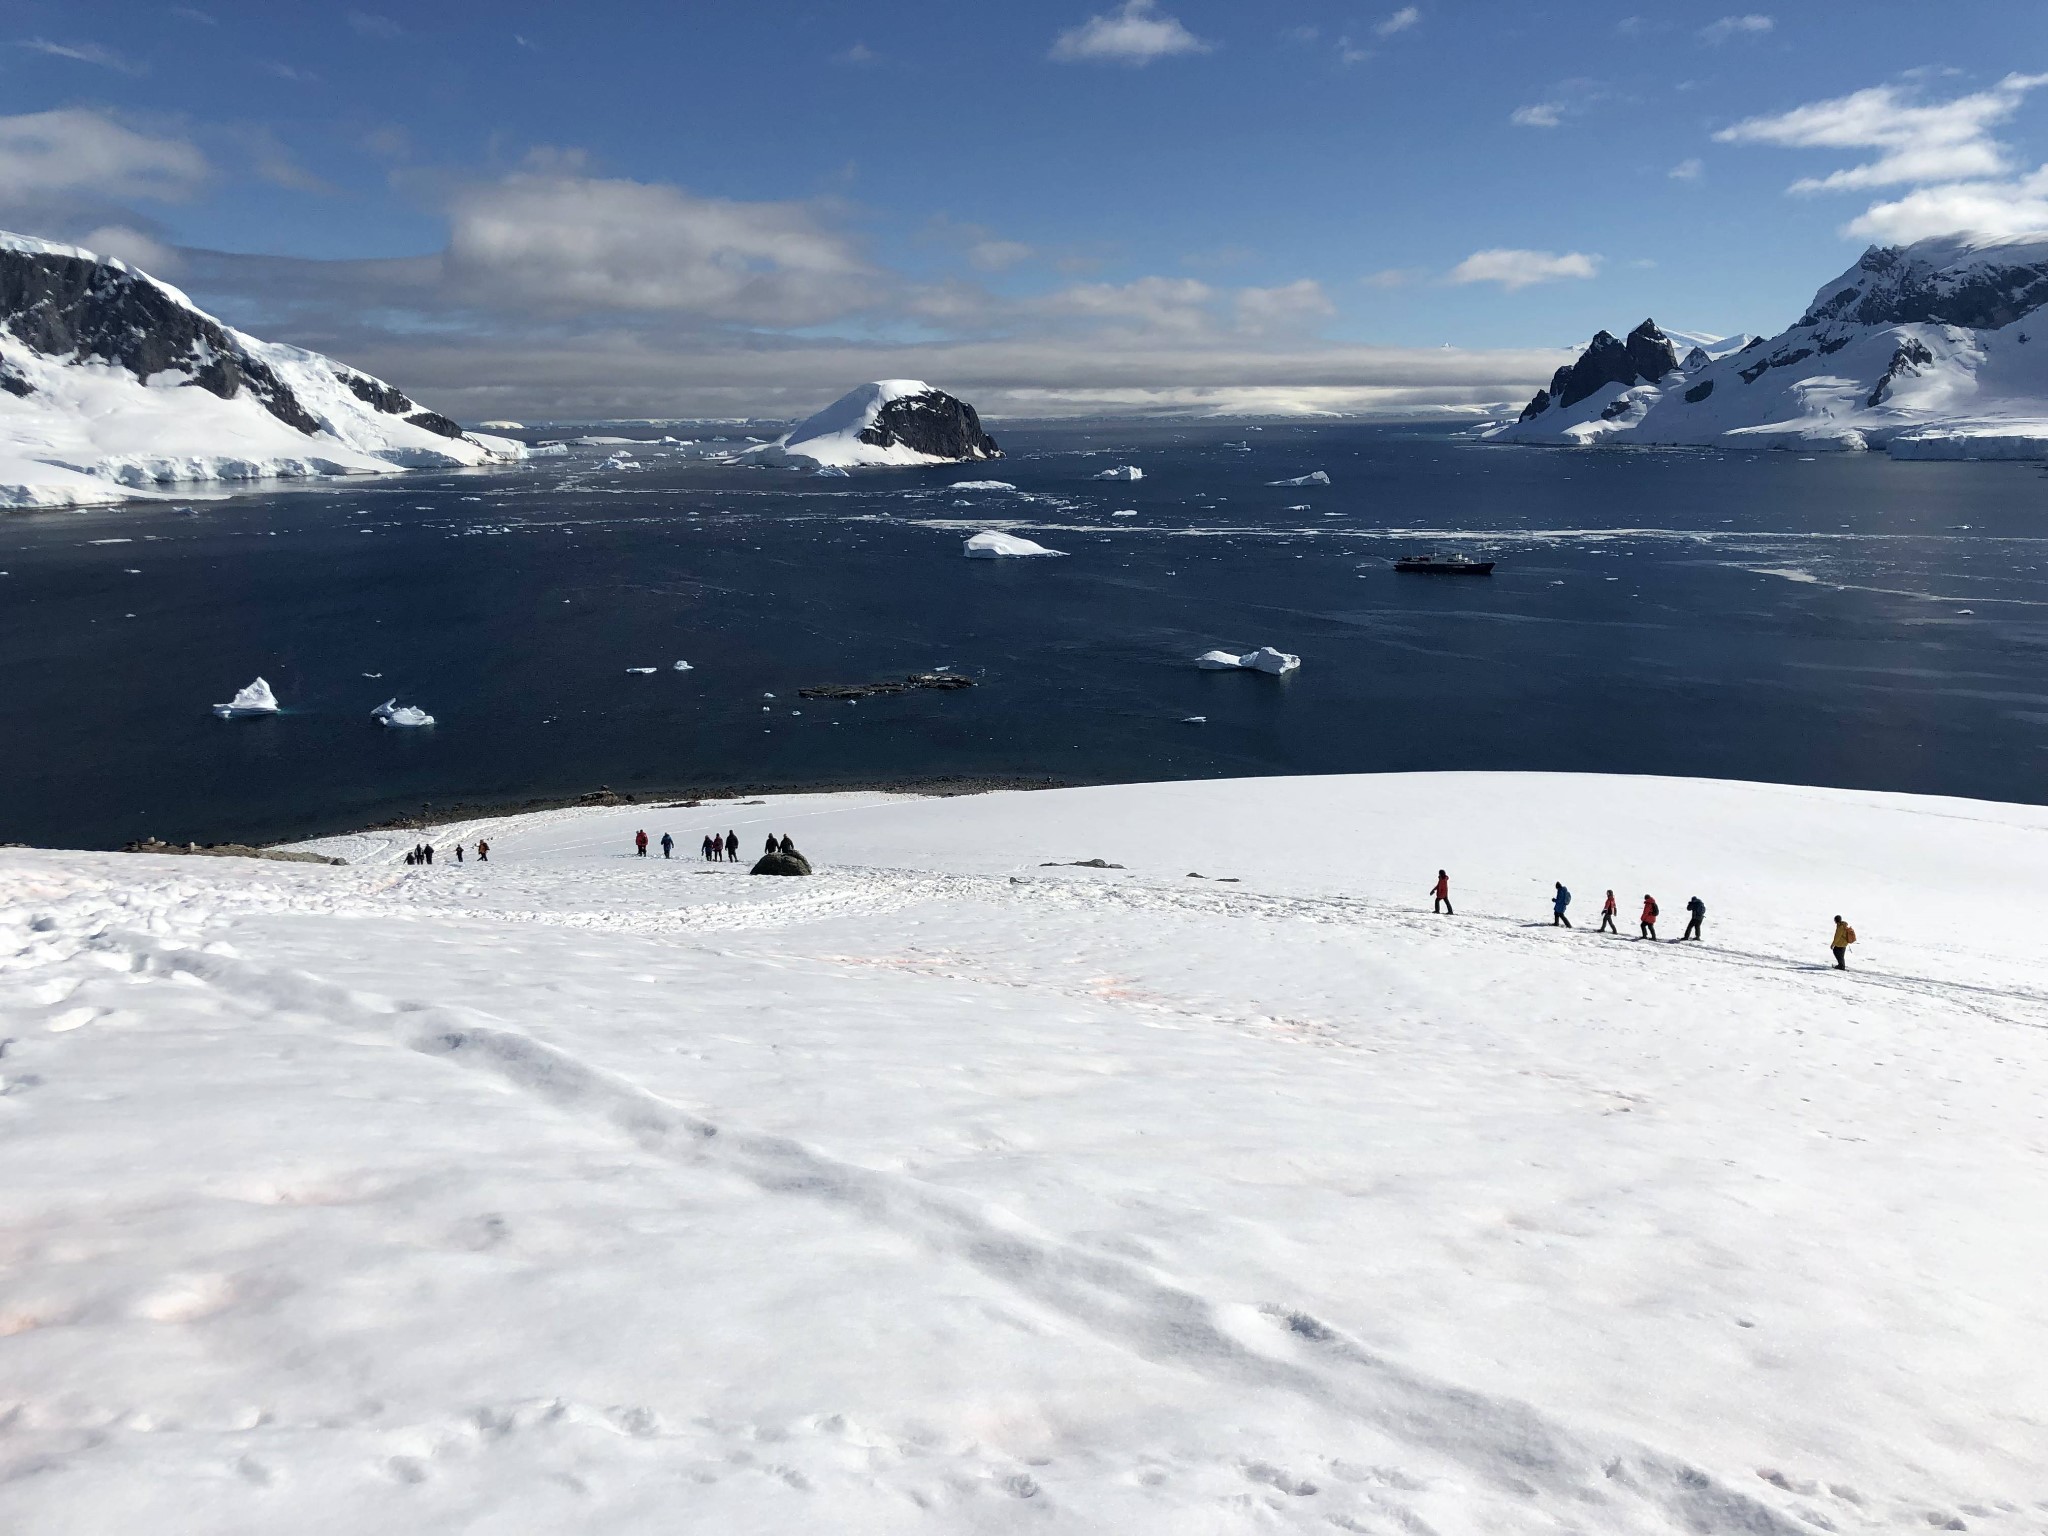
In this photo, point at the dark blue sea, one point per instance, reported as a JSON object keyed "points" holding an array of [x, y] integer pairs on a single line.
{"points": [[1839, 620]]}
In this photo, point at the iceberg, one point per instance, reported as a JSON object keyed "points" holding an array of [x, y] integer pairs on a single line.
{"points": [[1319, 477], [1121, 472], [981, 485], [1264, 659], [642, 671], [256, 699], [999, 546], [684, 666], [389, 713], [1127, 512], [835, 471]]}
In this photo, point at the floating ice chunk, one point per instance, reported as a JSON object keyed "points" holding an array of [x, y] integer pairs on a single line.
{"points": [[1194, 719], [389, 713], [1001, 546], [1302, 507], [256, 699], [684, 666], [1264, 659], [549, 451], [1127, 512], [1122, 472], [835, 471], [642, 671], [1319, 477], [981, 485]]}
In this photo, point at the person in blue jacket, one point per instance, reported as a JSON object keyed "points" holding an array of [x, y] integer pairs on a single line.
{"points": [[1558, 903], [1698, 911]]}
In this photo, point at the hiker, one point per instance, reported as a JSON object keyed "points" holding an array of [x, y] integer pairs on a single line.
{"points": [[412, 856], [773, 845], [1844, 937], [732, 845], [1442, 891], [788, 843], [1607, 915], [1558, 903], [427, 852], [704, 847], [483, 851], [640, 843], [1698, 909], [1649, 917], [458, 853], [667, 845]]}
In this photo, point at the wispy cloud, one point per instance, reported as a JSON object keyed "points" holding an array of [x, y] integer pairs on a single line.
{"points": [[1515, 269], [1539, 114], [1400, 21], [76, 151], [84, 53], [1135, 33], [369, 24], [859, 53], [194, 15], [1687, 170], [1736, 26]]}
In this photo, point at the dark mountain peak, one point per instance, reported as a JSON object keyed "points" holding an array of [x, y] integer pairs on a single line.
{"points": [[1644, 358], [932, 422]]}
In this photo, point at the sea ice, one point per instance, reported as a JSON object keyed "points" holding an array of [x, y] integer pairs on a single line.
{"points": [[684, 666], [256, 699], [1126, 512], [389, 713], [642, 671], [1264, 659], [1121, 472], [981, 485], [1000, 546], [1319, 477]]}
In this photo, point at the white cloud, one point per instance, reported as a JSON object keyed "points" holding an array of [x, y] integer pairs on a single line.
{"points": [[1736, 26], [1400, 21], [1349, 52], [1134, 33], [859, 53], [77, 151], [1514, 269], [134, 247], [998, 255], [1948, 141], [2016, 207], [1687, 170], [559, 241], [367, 24], [84, 53], [1542, 114], [1297, 306]]}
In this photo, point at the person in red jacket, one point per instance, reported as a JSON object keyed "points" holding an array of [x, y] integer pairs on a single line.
{"points": [[1442, 891], [1607, 915], [1649, 917], [640, 843]]}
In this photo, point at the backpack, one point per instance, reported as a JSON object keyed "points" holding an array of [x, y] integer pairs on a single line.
{"points": [[1655, 910], [1848, 933]]}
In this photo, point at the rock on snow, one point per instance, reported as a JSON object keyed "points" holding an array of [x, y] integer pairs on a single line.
{"points": [[580, 1192]]}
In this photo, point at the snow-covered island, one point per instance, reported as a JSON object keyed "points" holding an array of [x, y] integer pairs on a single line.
{"points": [[113, 385], [892, 423], [1143, 1159], [1936, 350]]}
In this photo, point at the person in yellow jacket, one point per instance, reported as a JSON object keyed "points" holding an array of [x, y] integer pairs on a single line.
{"points": [[1844, 937]]}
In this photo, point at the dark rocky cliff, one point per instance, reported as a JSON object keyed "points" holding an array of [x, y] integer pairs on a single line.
{"points": [[934, 423], [1645, 357]]}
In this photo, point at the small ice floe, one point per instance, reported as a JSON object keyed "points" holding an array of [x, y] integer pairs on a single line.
{"points": [[1194, 719], [1126, 512], [981, 485], [1121, 472], [1970, 611], [1317, 477], [1003, 546], [834, 472], [1303, 507], [256, 699], [641, 671], [684, 666], [1264, 659], [390, 713], [767, 695]]}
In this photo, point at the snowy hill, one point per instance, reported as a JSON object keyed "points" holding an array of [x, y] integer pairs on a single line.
{"points": [[959, 1188], [1926, 351], [112, 383], [893, 422]]}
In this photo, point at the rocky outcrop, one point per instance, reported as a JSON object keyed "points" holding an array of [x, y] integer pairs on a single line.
{"points": [[1942, 283], [791, 863], [65, 306], [1643, 358], [933, 422]]}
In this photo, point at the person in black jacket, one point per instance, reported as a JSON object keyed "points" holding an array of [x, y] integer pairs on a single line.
{"points": [[1698, 909], [788, 843], [732, 845]]}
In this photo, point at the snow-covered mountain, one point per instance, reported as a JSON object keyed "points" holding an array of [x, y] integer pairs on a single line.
{"points": [[897, 422], [1926, 350], [112, 383]]}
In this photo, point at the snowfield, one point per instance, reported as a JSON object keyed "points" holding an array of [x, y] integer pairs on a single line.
{"points": [[962, 1188]]}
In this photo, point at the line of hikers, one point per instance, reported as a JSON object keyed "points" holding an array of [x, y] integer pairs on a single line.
{"points": [[714, 849], [423, 853], [1646, 924]]}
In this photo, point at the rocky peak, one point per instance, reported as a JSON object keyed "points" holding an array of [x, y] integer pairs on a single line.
{"points": [[1645, 357], [932, 422], [1979, 284]]}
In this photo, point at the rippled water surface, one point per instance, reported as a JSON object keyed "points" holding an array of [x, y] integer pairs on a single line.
{"points": [[1836, 620]]}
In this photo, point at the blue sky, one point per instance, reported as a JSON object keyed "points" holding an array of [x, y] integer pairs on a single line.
{"points": [[663, 209]]}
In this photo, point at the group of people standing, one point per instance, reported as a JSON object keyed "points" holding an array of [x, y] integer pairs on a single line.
{"points": [[1646, 924], [714, 849], [423, 853]]}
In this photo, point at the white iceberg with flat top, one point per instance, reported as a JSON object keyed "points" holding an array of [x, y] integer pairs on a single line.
{"points": [[391, 713], [256, 699], [1004, 546], [1264, 659], [1121, 472]]}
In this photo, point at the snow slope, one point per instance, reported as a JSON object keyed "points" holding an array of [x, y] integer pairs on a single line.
{"points": [[961, 1189], [892, 422], [113, 384], [1927, 351]]}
